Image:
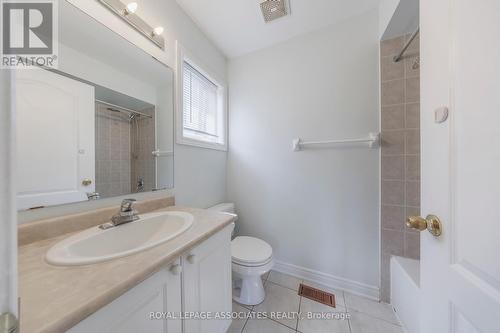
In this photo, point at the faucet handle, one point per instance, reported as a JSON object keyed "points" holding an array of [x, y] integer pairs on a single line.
{"points": [[127, 205]]}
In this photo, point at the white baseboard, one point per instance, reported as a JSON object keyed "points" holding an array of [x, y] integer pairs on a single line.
{"points": [[327, 280]]}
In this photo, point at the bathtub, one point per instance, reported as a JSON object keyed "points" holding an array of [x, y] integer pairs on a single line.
{"points": [[405, 292]]}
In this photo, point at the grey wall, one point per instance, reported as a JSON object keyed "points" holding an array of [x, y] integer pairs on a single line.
{"points": [[318, 208]]}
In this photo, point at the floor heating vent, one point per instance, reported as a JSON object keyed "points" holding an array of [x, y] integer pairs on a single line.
{"points": [[317, 295]]}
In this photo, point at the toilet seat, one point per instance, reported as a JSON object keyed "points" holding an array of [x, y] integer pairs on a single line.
{"points": [[239, 263], [250, 252]]}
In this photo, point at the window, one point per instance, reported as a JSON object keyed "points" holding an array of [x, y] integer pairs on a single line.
{"points": [[201, 112]]}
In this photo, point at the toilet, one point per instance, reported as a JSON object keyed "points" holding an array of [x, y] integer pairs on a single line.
{"points": [[251, 258]]}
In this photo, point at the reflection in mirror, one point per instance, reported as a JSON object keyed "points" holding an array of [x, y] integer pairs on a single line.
{"points": [[124, 143], [99, 126]]}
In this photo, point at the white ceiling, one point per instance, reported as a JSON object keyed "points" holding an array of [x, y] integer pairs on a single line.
{"points": [[237, 26]]}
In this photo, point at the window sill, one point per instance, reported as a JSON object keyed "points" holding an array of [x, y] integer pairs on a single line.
{"points": [[201, 144]]}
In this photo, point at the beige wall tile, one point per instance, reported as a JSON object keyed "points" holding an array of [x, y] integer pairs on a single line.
{"points": [[412, 90], [412, 167], [412, 142], [391, 70], [393, 143], [412, 245], [125, 145], [393, 92], [115, 177], [412, 115], [409, 61], [393, 217], [143, 164], [385, 277], [413, 194], [412, 211], [391, 46], [115, 154], [115, 129], [112, 152], [393, 117], [102, 154], [385, 289], [393, 167], [414, 46], [393, 242], [393, 192]]}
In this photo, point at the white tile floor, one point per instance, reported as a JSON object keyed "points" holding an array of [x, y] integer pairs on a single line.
{"points": [[366, 316]]}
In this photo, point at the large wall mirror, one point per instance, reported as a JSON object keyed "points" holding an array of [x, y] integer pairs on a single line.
{"points": [[99, 126]]}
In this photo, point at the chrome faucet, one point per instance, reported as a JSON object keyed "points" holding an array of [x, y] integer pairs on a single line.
{"points": [[126, 214], [93, 196]]}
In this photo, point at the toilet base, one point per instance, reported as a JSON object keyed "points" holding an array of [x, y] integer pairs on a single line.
{"points": [[249, 291], [248, 288]]}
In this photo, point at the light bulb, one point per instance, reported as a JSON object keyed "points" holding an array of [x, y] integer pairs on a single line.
{"points": [[158, 31], [131, 8]]}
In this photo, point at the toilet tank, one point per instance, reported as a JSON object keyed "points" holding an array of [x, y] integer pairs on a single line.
{"points": [[224, 208], [228, 208]]}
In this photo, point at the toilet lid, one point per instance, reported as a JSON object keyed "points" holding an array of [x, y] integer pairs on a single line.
{"points": [[250, 250]]}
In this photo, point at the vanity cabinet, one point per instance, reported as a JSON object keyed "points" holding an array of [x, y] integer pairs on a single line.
{"points": [[130, 313], [207, 287], [199, 282]]}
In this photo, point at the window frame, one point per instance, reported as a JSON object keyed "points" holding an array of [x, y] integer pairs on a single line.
{"points": [[185, 56]]}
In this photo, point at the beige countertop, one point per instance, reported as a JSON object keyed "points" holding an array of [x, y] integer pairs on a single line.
{"points": [[54, 299]]}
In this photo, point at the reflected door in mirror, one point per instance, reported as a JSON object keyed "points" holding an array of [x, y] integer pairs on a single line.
{"points": [[55, 139]]}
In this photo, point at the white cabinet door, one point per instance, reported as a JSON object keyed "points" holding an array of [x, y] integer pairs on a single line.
{"points": [[55, 138], [131, 313], [460, 270], [207, 283]]}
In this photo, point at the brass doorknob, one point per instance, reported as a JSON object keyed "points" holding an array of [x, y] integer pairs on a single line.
{"points": [[431, 223], [87, 182]]}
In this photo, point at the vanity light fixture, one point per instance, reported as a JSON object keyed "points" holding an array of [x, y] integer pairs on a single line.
{"points": [[127, 13], [131, 8], [158, 31]]}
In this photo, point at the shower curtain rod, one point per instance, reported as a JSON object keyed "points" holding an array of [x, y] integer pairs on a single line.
{"points": [[407, 45], [122, 109]]}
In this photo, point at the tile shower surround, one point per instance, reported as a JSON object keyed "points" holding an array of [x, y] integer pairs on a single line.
{"points": [[143, 163], [117, 169], [400, 171]]}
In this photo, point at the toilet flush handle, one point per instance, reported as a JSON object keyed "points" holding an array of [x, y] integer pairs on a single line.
{"points": [[191, 258]]}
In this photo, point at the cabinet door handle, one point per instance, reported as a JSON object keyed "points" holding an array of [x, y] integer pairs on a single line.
{"points": [[191, 258], [176, 269]]}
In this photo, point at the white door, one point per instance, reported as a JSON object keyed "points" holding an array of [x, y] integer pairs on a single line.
{"points": [[460, 57], [55, 139], [8, 223], [207, 286]]}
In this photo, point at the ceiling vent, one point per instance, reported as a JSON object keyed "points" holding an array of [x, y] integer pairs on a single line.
{"points": [[274, 9]]}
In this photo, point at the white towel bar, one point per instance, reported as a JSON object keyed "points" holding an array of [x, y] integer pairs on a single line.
{"points": [[373, 141], [159, 153]]}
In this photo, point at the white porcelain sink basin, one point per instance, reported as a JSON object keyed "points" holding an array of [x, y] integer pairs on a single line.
{"points": [[96, 245]]}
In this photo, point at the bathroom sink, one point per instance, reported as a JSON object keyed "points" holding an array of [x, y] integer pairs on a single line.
{"points": [[96, 245]]}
